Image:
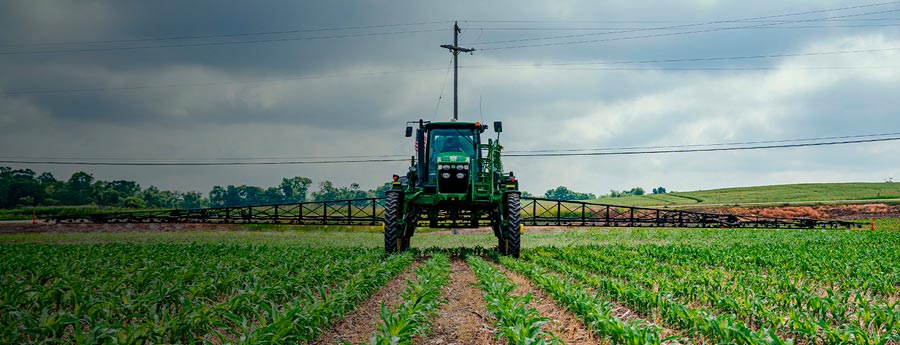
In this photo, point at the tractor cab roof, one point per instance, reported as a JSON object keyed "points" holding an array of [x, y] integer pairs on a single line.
{"points": [[460, 125]]}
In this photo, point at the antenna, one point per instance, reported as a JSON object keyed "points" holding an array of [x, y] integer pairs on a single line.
{"points": [[480, 112], [455, 49]]}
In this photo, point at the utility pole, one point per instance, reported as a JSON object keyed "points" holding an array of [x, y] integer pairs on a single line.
{"points": [[455, 49]]}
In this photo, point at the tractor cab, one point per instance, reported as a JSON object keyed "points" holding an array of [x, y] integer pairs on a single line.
{"points": [[452, 156]]}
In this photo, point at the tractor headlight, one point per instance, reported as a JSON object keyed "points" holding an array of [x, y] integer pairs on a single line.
{"points": [[445, 175], [465, 167], [442, 167], [460, 175]]}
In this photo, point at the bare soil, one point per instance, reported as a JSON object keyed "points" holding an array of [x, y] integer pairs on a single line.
{"points": [[464, 319], [358, 325], [834, 212], [562, 323]]}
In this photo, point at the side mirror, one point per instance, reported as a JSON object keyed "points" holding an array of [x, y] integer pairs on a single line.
{"points": [[498, 126], [408, 131]]}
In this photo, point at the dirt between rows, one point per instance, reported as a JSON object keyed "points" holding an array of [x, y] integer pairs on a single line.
{"points": [[462, 320]]}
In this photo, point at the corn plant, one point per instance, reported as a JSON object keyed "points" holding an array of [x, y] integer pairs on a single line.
{"points": [[515, 320], [593, 311], [420, 301]]}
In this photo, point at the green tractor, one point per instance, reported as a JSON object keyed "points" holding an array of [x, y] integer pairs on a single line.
{"points": [[454, 181]]}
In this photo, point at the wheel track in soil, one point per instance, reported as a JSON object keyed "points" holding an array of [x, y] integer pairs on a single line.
{"points": [[464, 318]]}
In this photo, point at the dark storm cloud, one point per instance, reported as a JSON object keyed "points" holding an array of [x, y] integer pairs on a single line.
{"points": [[363, 114]]}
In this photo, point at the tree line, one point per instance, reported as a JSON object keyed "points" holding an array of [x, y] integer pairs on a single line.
{"points": [[25, 188], [564, 193]]}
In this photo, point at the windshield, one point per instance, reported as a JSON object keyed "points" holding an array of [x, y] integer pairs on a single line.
{"points": [[449, 140]]}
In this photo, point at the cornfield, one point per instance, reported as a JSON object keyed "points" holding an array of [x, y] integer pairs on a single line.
{"points": [[677, 286]]}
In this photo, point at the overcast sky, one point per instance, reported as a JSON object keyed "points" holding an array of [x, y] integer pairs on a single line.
{"points": [[211, 80]]}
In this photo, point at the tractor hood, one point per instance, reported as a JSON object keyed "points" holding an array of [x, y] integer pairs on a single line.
{"points": [[453, 158], [453, 172]]}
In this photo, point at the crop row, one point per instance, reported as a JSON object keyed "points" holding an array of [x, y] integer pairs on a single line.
{"points": [[516, 321], [595, 312], [420, 301], [180, 292], [762, 299], [658, 287], [697, 321]]}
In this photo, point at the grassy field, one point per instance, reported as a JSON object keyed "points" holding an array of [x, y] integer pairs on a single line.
{"points": [[629, 286], [811, 192]]}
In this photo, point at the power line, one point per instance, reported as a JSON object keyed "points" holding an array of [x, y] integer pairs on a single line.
{"points": [[241, 34], [831, 143], [511, 66], [650, 21], [710, 69], [209, 44], [534, 153], [651, 35], [443, 85], [643, 28], [716, 58], [169, 160], [705, 23], [161, 86], [709, 145], [201, 163]]}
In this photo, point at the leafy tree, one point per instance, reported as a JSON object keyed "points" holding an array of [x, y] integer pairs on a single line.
{"points": [[294, 189], [327, 191], [79, 189], [564, 193], [133, 202], [659, 190], [217, 196], [190, 200], [18, 184], [634, 191]]}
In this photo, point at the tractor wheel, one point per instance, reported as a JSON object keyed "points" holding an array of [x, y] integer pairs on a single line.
{"points": [[511, 241], [392, 232]]}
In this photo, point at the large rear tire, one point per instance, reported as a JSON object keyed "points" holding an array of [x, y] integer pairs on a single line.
{"points": [[393, 234], [511, 241]]}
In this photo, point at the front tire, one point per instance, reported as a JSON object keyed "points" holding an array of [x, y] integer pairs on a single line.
{"points": [[511, 241], [393, 241]]}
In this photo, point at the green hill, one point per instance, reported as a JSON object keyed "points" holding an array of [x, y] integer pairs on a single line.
{"points": [[807, 192]]}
